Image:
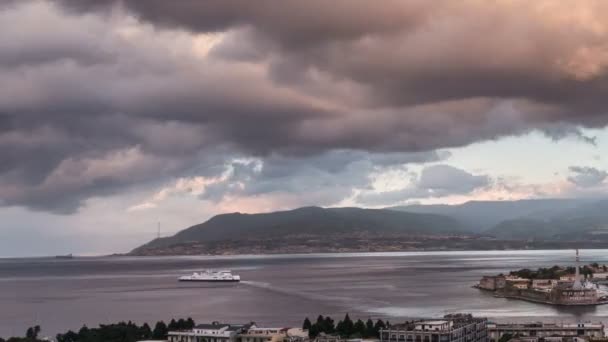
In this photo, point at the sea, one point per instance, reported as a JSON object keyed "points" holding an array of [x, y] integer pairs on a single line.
{"points": [[276, 290]]}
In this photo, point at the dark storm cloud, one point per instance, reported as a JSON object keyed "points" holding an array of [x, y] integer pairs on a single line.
{"points": [[401, 50], [100, 96], [585, 176]]}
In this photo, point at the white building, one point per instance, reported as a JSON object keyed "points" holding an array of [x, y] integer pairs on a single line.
{"points": [[214, 332], [544, 330], [260, 334], [452, 328]]}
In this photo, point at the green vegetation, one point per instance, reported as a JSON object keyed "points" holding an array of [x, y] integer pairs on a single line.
{"points": [[31, 335], [119, 332], [505, 338], [554, 272], [345, 328]]}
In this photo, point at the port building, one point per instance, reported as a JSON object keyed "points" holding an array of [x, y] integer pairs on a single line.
{"points": [[452, 328]]}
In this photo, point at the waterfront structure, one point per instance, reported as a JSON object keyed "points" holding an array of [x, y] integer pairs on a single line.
{"points": [[569, 290], [518, 283], [533, 332], [214, 332], [452, 328], [492, 283]]}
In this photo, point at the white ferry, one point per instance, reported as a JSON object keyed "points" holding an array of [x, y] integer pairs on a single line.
{"points": [[212, 276]]}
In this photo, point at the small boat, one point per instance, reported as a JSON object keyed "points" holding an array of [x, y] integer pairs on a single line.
{"points": [[212, 277]]}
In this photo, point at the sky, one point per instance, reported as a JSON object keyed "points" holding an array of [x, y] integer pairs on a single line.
{"points": [[118, 115]]}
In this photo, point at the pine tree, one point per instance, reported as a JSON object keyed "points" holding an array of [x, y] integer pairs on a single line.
{"points": [[160, 330], [145, 331], [306, 325], [314, 331], [359, 328], [379, 326], [172, 325], [321, 323], [369, 329], [328, 325], [340, 328], [347, 326]]}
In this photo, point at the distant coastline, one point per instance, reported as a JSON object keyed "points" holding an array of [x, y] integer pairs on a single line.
{"points": [[248, 248]]}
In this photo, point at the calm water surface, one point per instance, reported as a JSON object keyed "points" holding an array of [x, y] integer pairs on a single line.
{"points": [[277, 290]]}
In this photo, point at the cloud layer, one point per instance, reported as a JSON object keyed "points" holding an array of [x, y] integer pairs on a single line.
{"points": [[100, 97]]}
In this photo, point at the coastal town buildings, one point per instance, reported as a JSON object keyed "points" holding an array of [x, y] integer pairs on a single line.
{"points": [[452, 328], [533, 332], [260, 334], [569, 289], [218, 332], [492, 283], [214, 332], [336, 338]]}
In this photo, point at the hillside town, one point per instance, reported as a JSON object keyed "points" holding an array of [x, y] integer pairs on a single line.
{"points": [[558, 285]]}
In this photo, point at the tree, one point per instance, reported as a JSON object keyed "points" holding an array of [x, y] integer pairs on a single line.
{"points": [[328, 325], [379, 326], [313, 331], [172, 325], [505, 338], [320, 323], [160, 330], [190, 323], [145, 331], [345, 327], [181, 324], [369, 329], [70, 336], [29, 333], [306, 325], [359, 328]]}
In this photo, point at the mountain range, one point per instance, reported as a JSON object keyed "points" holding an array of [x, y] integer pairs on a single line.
{"points": [[311, 229]]}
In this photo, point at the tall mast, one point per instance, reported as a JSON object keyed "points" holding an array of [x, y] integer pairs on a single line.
{"points": [[158, 233], [577, 277]]}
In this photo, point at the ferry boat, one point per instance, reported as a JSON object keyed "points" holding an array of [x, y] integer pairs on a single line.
{"points": [[212, 276]]}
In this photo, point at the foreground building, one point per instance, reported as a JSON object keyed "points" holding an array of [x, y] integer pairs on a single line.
{"points": [[218, 332], [258, 334], [214, 332], [533, 332], [452, 328]]}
